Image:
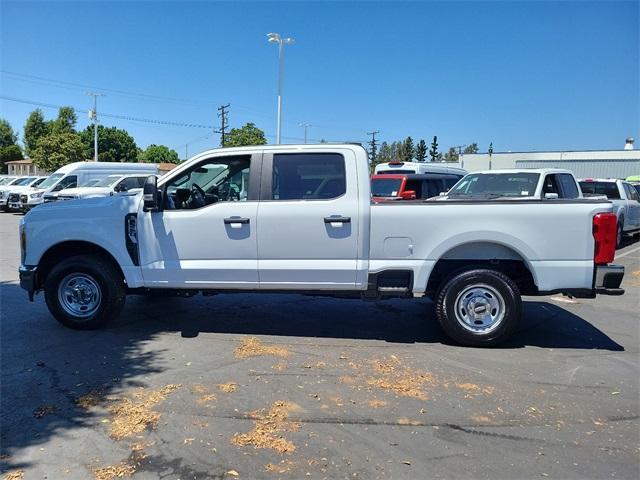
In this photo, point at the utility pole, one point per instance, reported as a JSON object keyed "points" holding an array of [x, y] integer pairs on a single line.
{"points": [[305, 126], [374, 146], [224, 122], [93, 115], [490, 154]]}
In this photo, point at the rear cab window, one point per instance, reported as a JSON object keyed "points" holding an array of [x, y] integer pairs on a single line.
{"points": [[592, 188], [308, 176]]}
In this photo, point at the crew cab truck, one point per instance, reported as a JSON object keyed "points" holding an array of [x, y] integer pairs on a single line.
{"points": [[625, 199], [299, 218], [514, 183]]}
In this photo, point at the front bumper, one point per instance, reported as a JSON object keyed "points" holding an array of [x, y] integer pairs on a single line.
{"points": [[607, 279], [28, 279]]}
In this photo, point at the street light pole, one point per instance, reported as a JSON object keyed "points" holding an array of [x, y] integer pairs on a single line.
{"points": [[305, 126], [276, 38], [94, 116]]}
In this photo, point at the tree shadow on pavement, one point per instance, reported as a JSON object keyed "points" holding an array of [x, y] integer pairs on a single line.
{"points": [[46, 365]]}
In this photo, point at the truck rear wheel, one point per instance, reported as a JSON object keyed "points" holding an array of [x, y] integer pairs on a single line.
{"points": [[479, 307], [84, 292]]}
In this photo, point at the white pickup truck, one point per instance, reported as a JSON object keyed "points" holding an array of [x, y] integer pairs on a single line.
{"points": [[299, 218]]}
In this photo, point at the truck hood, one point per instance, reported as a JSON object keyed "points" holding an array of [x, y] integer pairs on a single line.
{"points": [[95, 207], [85, 191], [17, 189]]}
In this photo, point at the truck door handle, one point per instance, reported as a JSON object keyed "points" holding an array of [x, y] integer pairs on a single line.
{"points": [[337, 219], [230, 220]]}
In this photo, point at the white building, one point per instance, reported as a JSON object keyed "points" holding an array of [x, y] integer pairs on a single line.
{"points": [[584, 164]]}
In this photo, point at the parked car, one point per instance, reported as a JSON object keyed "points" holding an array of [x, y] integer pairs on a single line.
{"points": [[77, 173], [13, 197], [109, 185], [516, 184], [388, 187], [298, 218], [12, 185], [397, 167], [625, 199]]}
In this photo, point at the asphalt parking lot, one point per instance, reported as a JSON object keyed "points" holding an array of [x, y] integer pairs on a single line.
{"points": [[288, 386]]}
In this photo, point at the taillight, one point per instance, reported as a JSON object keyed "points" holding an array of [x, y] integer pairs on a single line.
{"points": [[605, 227]]}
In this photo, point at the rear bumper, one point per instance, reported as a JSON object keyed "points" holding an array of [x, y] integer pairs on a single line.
{"points": [[607, 279], [28, 279]]}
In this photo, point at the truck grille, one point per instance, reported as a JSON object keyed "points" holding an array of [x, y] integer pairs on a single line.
{"points": [[24, 198], [14, 198]]}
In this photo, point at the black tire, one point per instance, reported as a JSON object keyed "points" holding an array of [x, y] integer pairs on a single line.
{"points": [[491, 282], [619, 234], [100, 274]]}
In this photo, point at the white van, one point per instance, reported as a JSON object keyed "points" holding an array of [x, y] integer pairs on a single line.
{"points": [[79, 173], [418, 168]]}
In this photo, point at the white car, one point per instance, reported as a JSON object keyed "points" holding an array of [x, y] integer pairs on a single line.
{"points": [[10, 185], [108, 186], [299, 218], [625, 199], [13, 196], [516, 184]]}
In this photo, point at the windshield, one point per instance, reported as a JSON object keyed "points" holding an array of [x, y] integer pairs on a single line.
{"points": [[108, 181], [518, 184], [610, 189], [25, 181], [51, 181], [385, 187]]}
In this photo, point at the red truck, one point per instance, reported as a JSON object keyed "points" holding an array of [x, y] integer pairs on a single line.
{"points": [[405, 186]]}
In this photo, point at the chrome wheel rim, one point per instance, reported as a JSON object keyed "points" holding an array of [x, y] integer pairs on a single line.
{"points": [[79, 295], [479, 308]]}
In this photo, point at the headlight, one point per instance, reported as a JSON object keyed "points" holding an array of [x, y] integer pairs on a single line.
{"points": [[36, 195]]}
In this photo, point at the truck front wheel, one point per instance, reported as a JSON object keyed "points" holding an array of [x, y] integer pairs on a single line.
{"points": [[84, 292], [479, 307]]}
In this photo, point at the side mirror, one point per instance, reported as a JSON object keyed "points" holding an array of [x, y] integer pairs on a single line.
{"points": [[551, 196], [408, 195], [150, 194], [443, 194]]}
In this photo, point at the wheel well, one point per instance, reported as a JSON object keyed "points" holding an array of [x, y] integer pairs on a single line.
{"points": [[482, 255], [64, 250]]}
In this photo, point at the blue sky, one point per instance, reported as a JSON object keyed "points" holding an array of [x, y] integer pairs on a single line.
{"points": [[523, 75]]}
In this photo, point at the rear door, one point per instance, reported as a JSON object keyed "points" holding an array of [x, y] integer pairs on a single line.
{"points": [[308, 221], [633, 202]]}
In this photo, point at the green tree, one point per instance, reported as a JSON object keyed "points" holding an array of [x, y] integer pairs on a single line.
{"points": [[58, 149], [114, 144], [34, 129], [9, 153], [473, 148], [158, 154], [421, 151], [66, 121], [433, 151], [245, 136], [451, 155], [7, 136], [407, 150]]}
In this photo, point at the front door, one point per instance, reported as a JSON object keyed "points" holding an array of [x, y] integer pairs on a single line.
{"points": [[205, 235], [308, 221]]}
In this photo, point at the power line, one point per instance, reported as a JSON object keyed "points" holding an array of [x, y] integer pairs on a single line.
{"points": [[110, 115], [224, 122]]}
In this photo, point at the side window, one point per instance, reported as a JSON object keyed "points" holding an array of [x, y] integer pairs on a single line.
{"points": [[308, 176], [129, 183], [569, 187], [631, 192], [222, 179], [68, 182], [550, 185], [432, 188]]}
